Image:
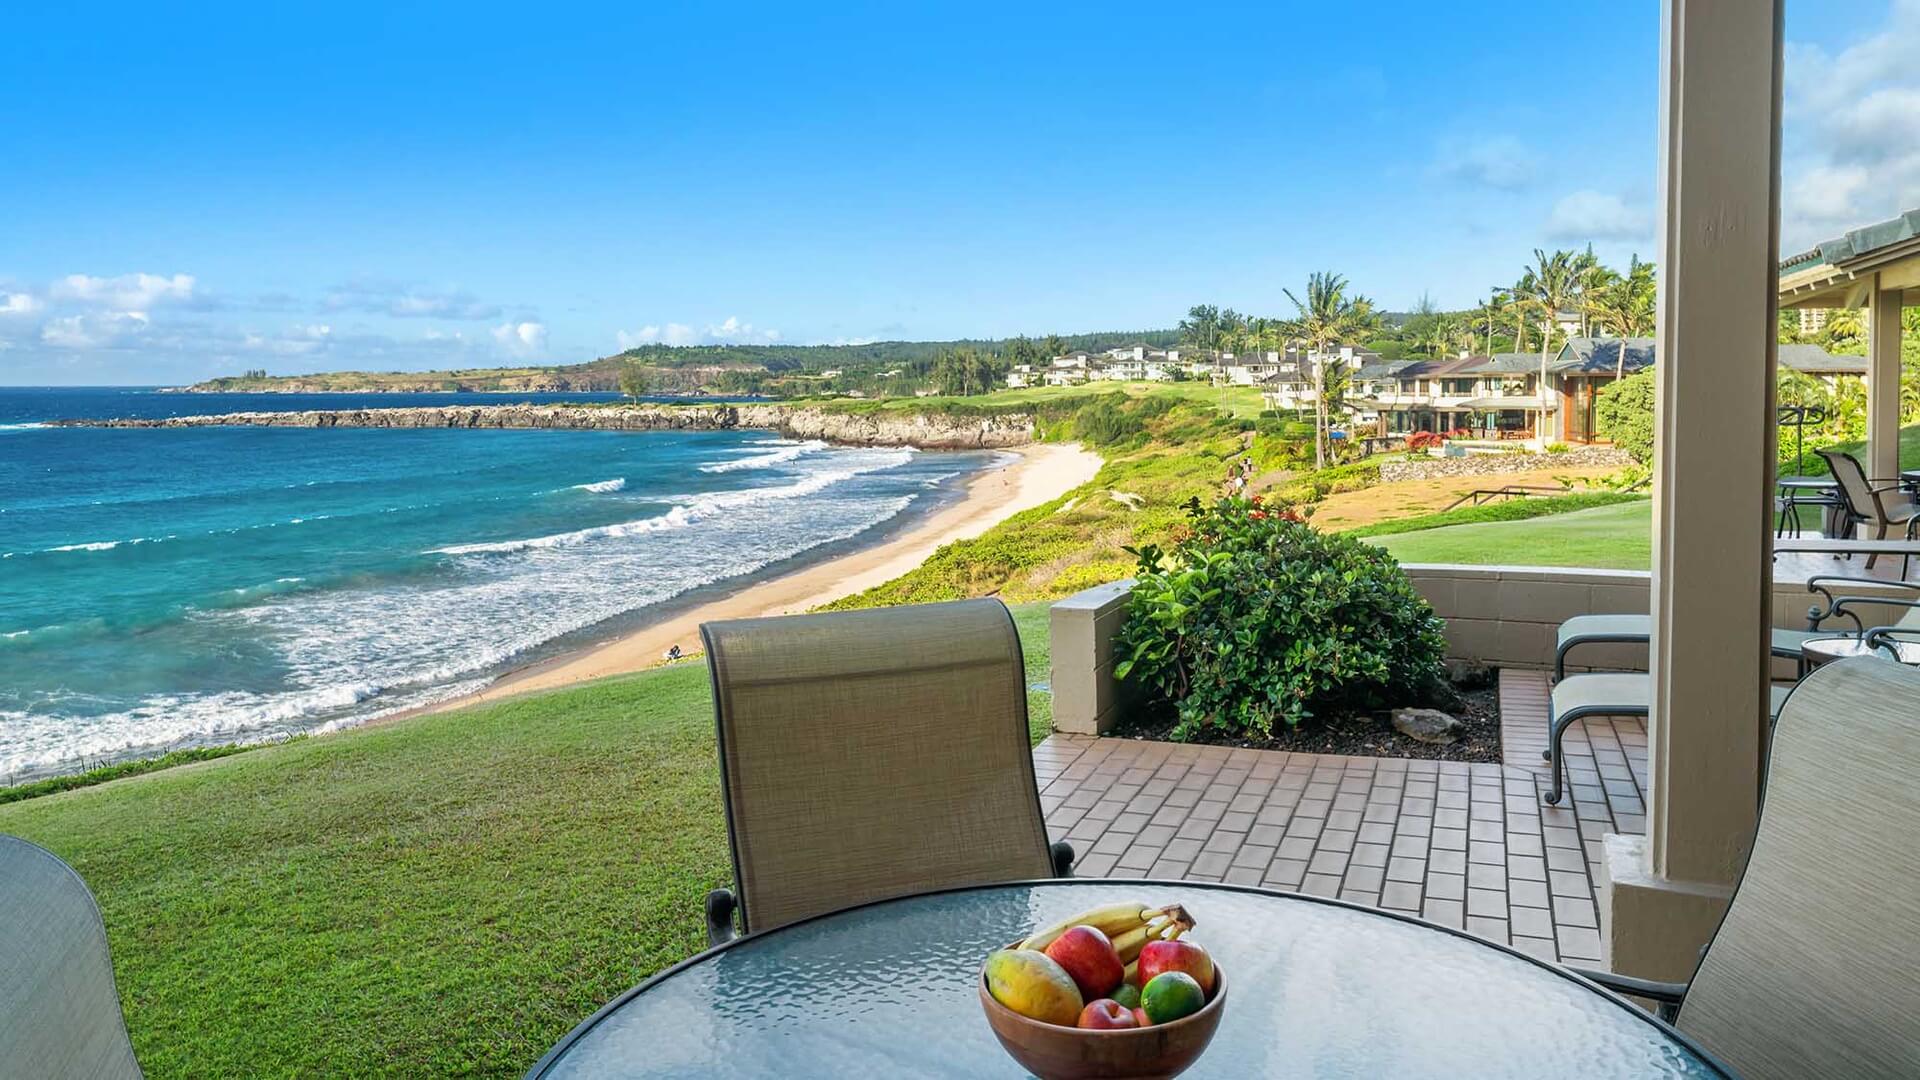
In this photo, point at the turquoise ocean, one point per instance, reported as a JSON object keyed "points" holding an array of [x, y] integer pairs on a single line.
{"points": [[162, 588]]}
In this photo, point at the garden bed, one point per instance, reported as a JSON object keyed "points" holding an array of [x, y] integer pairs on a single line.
{"points": [[1356, 735]]}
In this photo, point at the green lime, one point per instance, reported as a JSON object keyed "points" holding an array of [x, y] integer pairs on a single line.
{"points": [[1172, 995], [1128, 996]]}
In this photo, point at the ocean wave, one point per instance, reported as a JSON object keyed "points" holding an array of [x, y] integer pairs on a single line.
{"points": [[789, 450], [602, 487], [691, 508], [23, 427], [672, 519]]}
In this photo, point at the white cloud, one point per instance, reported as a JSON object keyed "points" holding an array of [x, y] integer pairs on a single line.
{"points": [[1595, 215], [127, 292], [1498, 161], [103, 331], [19, 303], [403, 302], [1852, 131], [731, 331], [521, 339]]}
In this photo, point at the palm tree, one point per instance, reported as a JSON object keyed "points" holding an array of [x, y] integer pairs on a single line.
{"points": [[1625, 306], [1549, 287], [1589, 276], [1844, 326], [1326, 318], [1492, 310]]}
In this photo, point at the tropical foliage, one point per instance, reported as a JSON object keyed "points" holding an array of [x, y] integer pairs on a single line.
{"points": [[1255, 620]]}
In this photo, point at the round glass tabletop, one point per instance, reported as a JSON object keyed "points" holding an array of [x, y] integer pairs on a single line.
{"points": [[1319, 989]]}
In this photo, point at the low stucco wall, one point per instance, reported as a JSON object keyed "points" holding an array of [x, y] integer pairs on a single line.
{"points": [[1504, 616]]}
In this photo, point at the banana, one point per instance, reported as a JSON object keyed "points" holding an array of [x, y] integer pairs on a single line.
{"points": [[1122, 922], [1110, 919]]}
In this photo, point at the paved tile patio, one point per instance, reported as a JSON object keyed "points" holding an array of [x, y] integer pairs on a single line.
{"points": [[1468, 845]]}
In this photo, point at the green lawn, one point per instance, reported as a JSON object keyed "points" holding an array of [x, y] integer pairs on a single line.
{"points": [[1610, 537], [444, 895]]}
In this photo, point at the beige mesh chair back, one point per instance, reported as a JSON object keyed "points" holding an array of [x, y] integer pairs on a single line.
{"points": [[59, 1012], [869, 754], [1816, 970]]}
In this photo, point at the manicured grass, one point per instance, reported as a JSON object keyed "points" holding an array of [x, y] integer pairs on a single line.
{"points": [[446, 895], [1504, 510], [1610, 537]]}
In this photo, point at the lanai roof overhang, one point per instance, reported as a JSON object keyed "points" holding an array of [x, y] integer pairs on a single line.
{"points": [[1876, 267], [1847, 271]]}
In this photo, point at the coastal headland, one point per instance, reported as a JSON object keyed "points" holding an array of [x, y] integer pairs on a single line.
{"points": [[926, 430]]}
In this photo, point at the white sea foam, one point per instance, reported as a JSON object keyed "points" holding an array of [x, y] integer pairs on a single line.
{"points": [[23, 427], [602, 487], [789, 451], [346, 654], [691, 508]]}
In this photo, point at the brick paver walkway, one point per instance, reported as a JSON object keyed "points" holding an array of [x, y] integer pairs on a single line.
{"points": [[1468, 845]]}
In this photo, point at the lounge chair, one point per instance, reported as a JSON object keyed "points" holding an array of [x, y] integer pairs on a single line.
{"points": [[1879, 504], [1638, 630], [1811, 971], [59, 1011], [1635, 629], [1607, 693], [870, 754]]}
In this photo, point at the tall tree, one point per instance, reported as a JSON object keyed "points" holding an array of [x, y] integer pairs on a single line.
{"points": [[1327, 318], [1624, 305], [1549, 287]]}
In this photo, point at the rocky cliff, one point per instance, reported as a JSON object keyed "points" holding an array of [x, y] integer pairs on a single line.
{"points": [[931, 431]]}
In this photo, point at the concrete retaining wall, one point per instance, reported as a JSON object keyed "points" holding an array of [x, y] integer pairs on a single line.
{"points": [[1505, 616]]}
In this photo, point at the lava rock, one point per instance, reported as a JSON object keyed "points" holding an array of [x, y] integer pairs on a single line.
{"points": [[1427, 725]]}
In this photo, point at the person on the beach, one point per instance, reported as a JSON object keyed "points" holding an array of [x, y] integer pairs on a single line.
{"points": [[673, 654]]}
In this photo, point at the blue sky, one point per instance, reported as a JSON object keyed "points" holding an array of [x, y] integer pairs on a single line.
{"points": [[196, 192]]}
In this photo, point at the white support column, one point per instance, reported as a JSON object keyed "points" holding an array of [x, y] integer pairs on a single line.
{"points": [[1883, 381], [1713, 477]]}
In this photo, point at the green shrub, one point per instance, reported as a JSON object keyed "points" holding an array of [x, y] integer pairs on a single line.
{"points": [[1558, 448], [1624, 413], [1255, 618], [1103, 424]]}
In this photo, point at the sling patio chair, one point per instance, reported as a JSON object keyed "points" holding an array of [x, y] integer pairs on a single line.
{"points": [[59, 1011], [1606, 693], [871, 754], [1811, 972], [1879, 504], [1636, 629]]}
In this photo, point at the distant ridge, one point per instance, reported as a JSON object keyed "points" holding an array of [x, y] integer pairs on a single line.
{"points": [[681, 369]]}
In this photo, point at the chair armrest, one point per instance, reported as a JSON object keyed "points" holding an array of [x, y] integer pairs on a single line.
{"points": [[1881, 635], [721, 904], [1844, 606], [1667, 995], [1821, 584], [1062, 853]]}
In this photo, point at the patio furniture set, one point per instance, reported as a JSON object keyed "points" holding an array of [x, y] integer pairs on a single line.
{"points": [[1577, 697], [886, 832]]}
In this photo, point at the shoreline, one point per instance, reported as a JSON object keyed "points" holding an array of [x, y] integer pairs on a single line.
{"points": [[1041, 473]]}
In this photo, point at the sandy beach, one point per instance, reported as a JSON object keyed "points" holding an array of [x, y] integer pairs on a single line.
{"points": [[1038, 474]]}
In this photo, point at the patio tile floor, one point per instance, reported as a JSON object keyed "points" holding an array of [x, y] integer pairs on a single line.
{"points": [[1471, 846]]}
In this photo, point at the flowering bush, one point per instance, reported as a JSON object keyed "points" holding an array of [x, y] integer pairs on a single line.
{"points": [[1254, 617], [1424, 440]]}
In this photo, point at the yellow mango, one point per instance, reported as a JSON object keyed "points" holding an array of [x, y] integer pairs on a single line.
{"points": [[1033, 985]]}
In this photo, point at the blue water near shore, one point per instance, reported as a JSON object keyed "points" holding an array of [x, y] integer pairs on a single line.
{"points": [[172, 587]]}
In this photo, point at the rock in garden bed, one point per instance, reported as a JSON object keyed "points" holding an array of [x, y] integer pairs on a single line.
{"points": [[1476, 736]]}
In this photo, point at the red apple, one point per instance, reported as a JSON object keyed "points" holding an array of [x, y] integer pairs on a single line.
{"points": [[1089, 958], [1141, 1019], [1107, 1014], [1163, 956]]}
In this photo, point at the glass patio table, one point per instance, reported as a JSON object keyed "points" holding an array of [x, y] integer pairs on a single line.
{"points": [[1319, 988]]}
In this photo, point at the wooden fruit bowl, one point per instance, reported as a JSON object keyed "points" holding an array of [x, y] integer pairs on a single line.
{"points": [[1053, 1052]]}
